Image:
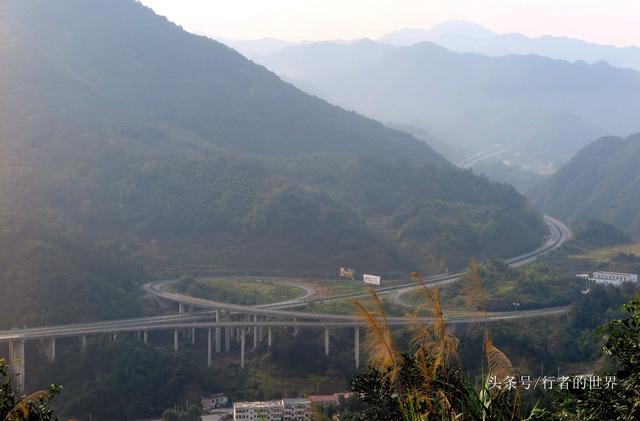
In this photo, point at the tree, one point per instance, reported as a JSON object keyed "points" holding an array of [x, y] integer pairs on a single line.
{"points": [[191, 414], [622, 344], [34, 407]]}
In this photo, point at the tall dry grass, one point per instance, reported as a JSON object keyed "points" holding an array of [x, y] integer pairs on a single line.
{"points": [[434, 349]]}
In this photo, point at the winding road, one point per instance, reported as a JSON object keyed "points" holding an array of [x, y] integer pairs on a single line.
{"points": [[559, 233]]}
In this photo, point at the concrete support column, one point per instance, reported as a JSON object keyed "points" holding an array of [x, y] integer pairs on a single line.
{"points": [[49, 346], [218, 334], [83, 342], [17, 364], [209, 337], [356, 347], [181, 308], [326, 341], [193, 335], [175, 340], [242, 343], [227, 339], [269, 336], [145, 336], [255, 333]]}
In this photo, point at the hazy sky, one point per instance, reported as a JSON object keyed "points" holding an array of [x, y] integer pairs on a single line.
{"points": [[614, 22]]}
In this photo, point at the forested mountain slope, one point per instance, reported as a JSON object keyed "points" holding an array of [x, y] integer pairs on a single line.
{"points": [[120, 124], [602, 181], [48, 277]]}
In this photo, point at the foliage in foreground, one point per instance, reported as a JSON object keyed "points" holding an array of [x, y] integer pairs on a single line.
{"points": [[622, 344], [428, 383], [34, 407]]}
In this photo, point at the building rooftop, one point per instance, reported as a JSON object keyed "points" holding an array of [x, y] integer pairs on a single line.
{"points": [[295, 401], [323, 398], [319, 399], [258, 404], [612, 273], [215, 395]]}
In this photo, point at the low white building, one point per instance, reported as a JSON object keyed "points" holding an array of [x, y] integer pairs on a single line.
{"points": [[214, 401], [296, 409], [282, 410], [610, 278], [258, 411]]}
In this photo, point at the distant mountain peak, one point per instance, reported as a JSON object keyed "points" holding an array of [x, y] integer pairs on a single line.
{"points": [[460, 27], [468, 37]]}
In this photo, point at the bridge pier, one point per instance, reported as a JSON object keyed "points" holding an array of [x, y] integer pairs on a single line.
{"points": [[326, 341], [356, 347], [209, 334], [181, 308], [17, 364], [83, 342], [218, 336], [50, 349], [193, 335], [145, 336], [255, 332], [175, 340], [269, 336], [242, 344]]}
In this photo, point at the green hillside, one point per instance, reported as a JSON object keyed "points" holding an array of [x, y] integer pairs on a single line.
{"points": [[601, 182], [47, 277], [121, 125]]}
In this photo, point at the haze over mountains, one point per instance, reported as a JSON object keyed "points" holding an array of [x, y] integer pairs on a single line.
{"points": [[120, 126], [602, 181], [539, 110], [468, 37]]}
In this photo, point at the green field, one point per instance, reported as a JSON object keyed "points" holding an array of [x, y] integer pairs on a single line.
{"points": [[327, 287], [237, 291], [607, 253]]}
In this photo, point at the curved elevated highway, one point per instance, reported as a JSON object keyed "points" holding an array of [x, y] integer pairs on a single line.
{"points": [[559, 233], [235, 319]]}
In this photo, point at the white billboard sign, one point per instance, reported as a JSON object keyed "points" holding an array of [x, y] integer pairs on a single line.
{"points": [[371, 279]]}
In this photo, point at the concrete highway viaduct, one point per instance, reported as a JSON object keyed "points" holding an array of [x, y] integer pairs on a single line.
{"points": [[225, 321]]}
